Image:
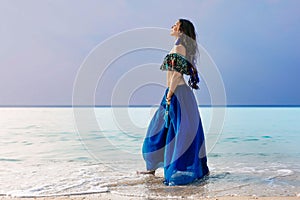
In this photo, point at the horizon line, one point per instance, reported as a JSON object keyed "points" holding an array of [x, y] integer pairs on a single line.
{"points": [[108, 106]]}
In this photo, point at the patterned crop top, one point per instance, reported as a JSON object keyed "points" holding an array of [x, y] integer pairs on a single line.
{"points": [[177, 62]]}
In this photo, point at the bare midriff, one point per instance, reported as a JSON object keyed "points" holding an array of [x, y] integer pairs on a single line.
{"points": [[179, 81]]}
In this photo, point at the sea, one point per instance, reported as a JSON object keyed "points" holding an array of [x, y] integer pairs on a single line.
{"points": [[56, 151]]}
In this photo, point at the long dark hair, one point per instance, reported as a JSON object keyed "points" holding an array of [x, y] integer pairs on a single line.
{"points": [[188, 40]]}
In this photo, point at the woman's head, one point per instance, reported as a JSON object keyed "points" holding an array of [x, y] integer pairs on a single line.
{"points": [[183, 26], [187, 28], [185, 33]]}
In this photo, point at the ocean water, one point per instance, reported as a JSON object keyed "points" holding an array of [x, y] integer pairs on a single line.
{"points": [[61, 151]]}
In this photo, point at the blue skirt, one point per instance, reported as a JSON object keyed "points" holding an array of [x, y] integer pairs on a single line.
{"points": [[175, 139]]}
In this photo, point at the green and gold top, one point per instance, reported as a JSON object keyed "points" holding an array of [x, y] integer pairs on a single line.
{"points": [[177, 62]]}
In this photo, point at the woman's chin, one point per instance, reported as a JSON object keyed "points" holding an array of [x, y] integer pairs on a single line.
{"points": [[173, 34]]}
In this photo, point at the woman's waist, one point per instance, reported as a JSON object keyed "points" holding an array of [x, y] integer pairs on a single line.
{"points": [[180, 81], [183, 85]]}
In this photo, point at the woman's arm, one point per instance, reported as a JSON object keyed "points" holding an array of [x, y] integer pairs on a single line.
{"points": [[176, 77]]}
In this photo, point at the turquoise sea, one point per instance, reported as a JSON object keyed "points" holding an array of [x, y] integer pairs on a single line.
{"points": [[50, 151]]}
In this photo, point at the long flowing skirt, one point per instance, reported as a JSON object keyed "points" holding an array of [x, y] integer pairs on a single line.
{"points": [[175, 139]]}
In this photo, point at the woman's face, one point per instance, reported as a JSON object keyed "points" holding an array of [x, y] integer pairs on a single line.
{"points": [[175, 29]]}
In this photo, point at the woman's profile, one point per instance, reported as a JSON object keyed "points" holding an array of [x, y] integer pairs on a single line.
{"points": [[175, 137]]}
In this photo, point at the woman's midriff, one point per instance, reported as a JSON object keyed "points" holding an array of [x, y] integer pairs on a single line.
{"points": [[180, 81]]}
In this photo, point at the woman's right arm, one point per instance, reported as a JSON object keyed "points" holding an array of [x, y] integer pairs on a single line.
{"points": [[176, 77]]}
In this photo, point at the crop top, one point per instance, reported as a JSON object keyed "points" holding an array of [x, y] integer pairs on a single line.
{"points": [[177, 62]]}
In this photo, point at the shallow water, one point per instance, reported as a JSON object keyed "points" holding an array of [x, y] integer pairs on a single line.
{"points": [[45, 153]]}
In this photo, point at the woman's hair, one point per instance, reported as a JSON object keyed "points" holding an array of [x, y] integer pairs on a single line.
{"points": [[188, 40]]}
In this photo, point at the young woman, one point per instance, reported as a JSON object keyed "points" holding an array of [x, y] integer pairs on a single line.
{"points": [[175, 138]]}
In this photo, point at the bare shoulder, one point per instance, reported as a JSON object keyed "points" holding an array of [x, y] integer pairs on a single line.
{"points": [[179, 49]]}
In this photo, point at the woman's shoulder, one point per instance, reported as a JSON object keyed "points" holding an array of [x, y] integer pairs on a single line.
{"points": [[178, 49]]}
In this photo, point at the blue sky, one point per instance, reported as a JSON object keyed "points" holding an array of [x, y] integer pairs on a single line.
{"points": [[255, 45]]}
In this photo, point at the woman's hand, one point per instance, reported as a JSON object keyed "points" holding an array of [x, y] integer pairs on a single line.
{"points": [[169, 96], [168, 100]]}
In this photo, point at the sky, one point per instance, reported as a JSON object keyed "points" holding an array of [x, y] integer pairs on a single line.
{"points": [[254, 44]]}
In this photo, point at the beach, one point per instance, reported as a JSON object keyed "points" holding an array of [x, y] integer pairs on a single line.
{"points": [[44, 157], [109, 196]]}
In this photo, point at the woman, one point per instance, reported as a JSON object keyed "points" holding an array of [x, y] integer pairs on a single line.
{"points": [[175, 138]]}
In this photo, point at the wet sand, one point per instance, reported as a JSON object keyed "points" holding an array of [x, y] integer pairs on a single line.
{"points": [[110, 196]]}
